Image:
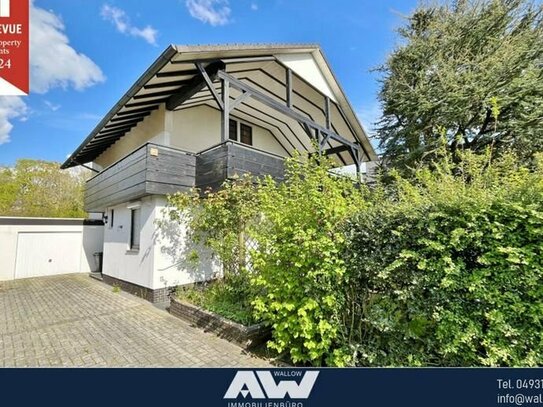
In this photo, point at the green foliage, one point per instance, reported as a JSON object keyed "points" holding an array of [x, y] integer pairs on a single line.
{"points": [[299, 269], [218, 219], [443, 267], [8, 190], [291, 270], [470, 69], [227, 298], [41, 189], [447, 269]]}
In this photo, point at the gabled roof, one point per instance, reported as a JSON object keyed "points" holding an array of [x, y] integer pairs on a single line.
{"points": [[175, 69]]}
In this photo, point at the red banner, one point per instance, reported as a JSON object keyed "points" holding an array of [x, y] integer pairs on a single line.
{"points": [[14, 47]]}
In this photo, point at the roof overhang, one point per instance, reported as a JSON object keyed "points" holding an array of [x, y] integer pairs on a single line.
{"points": [[176, 70]]}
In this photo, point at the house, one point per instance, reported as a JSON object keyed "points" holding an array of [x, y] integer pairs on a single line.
{"points": [[197, 116]]}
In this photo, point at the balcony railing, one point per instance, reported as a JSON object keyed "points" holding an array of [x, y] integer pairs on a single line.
{"points": [[226, 160], [155, 169]]}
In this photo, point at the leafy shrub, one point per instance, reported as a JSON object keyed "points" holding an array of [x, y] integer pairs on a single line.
{"points": [[218, 219], [442, 269], [293, 270], [41, 188], [299, 268], [447, 269], [225, 297]]}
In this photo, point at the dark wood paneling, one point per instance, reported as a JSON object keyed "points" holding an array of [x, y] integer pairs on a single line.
{"points": [[158, 188], [120, 166], [117, 187], [246, 160], [121, 182], [129, 194], [170, 171], [116, 177], [140, 173], [211, 167]]}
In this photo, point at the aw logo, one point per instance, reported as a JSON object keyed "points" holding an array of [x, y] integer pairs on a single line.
{"points": [[4, 8], [262, 385]]}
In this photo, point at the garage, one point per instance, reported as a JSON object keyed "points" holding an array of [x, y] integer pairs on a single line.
{"points": [[47, 253], [37, 247]]}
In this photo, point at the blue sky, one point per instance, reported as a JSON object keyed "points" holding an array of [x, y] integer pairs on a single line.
{"points": [[86, 53]]}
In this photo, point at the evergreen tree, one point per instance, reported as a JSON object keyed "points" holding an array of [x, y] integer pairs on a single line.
{"points": [[471, 71]]}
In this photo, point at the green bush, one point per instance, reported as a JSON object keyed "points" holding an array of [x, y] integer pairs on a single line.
{"points": [[227, 298], [447, 269], [217, 219], [281, 246], [442, 269], [299, 268]]}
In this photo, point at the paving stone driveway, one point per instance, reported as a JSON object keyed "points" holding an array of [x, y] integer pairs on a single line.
{"points": [[73, 320]]}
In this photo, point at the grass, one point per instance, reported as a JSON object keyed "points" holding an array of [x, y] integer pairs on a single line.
{"points": [[224, 298]]}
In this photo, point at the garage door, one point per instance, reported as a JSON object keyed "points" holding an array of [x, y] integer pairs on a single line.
{"points": [[47, 253]]}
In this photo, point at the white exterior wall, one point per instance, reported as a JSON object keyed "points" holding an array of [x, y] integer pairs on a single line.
{"points": [[150, 129], [305, 66], [195, 129], [172, 256], [198, 128], [161, 261], [119, 261], [89, 237]]}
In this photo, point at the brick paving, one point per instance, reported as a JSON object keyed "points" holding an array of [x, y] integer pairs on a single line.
{"points": [[73, 320]]}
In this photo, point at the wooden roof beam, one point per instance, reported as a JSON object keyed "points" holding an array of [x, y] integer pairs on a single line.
{"points": [[194, 86]]}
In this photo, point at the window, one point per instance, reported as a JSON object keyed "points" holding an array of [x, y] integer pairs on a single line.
{"points": [[111, 218], [233, 130], [246, 134], [135, 228]]}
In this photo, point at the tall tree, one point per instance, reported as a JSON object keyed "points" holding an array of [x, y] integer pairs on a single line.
{"points": [[41, 189], [471, 71], [8, 190]]}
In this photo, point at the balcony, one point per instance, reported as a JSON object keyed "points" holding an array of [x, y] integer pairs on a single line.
{"points": [[159, 170], [226, 160]]}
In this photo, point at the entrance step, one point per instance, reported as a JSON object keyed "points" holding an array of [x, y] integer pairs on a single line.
{"points": [[96, 276]]}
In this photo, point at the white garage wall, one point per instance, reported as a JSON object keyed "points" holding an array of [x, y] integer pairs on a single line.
{"points": [[89, 237]]}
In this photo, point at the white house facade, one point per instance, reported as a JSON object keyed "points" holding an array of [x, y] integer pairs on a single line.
{"points": [[196, 117]]}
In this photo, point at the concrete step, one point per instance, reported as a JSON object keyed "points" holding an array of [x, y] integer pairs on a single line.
{"points": [[96, 276]]}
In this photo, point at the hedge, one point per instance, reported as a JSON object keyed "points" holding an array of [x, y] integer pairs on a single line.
{"points": [[447, 269]]}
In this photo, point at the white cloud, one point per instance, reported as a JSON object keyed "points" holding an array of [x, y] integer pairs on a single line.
{"points": [[214, 12], [120, 19], [11, 107], [53, 62], [254, 6], [53, 106]]}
